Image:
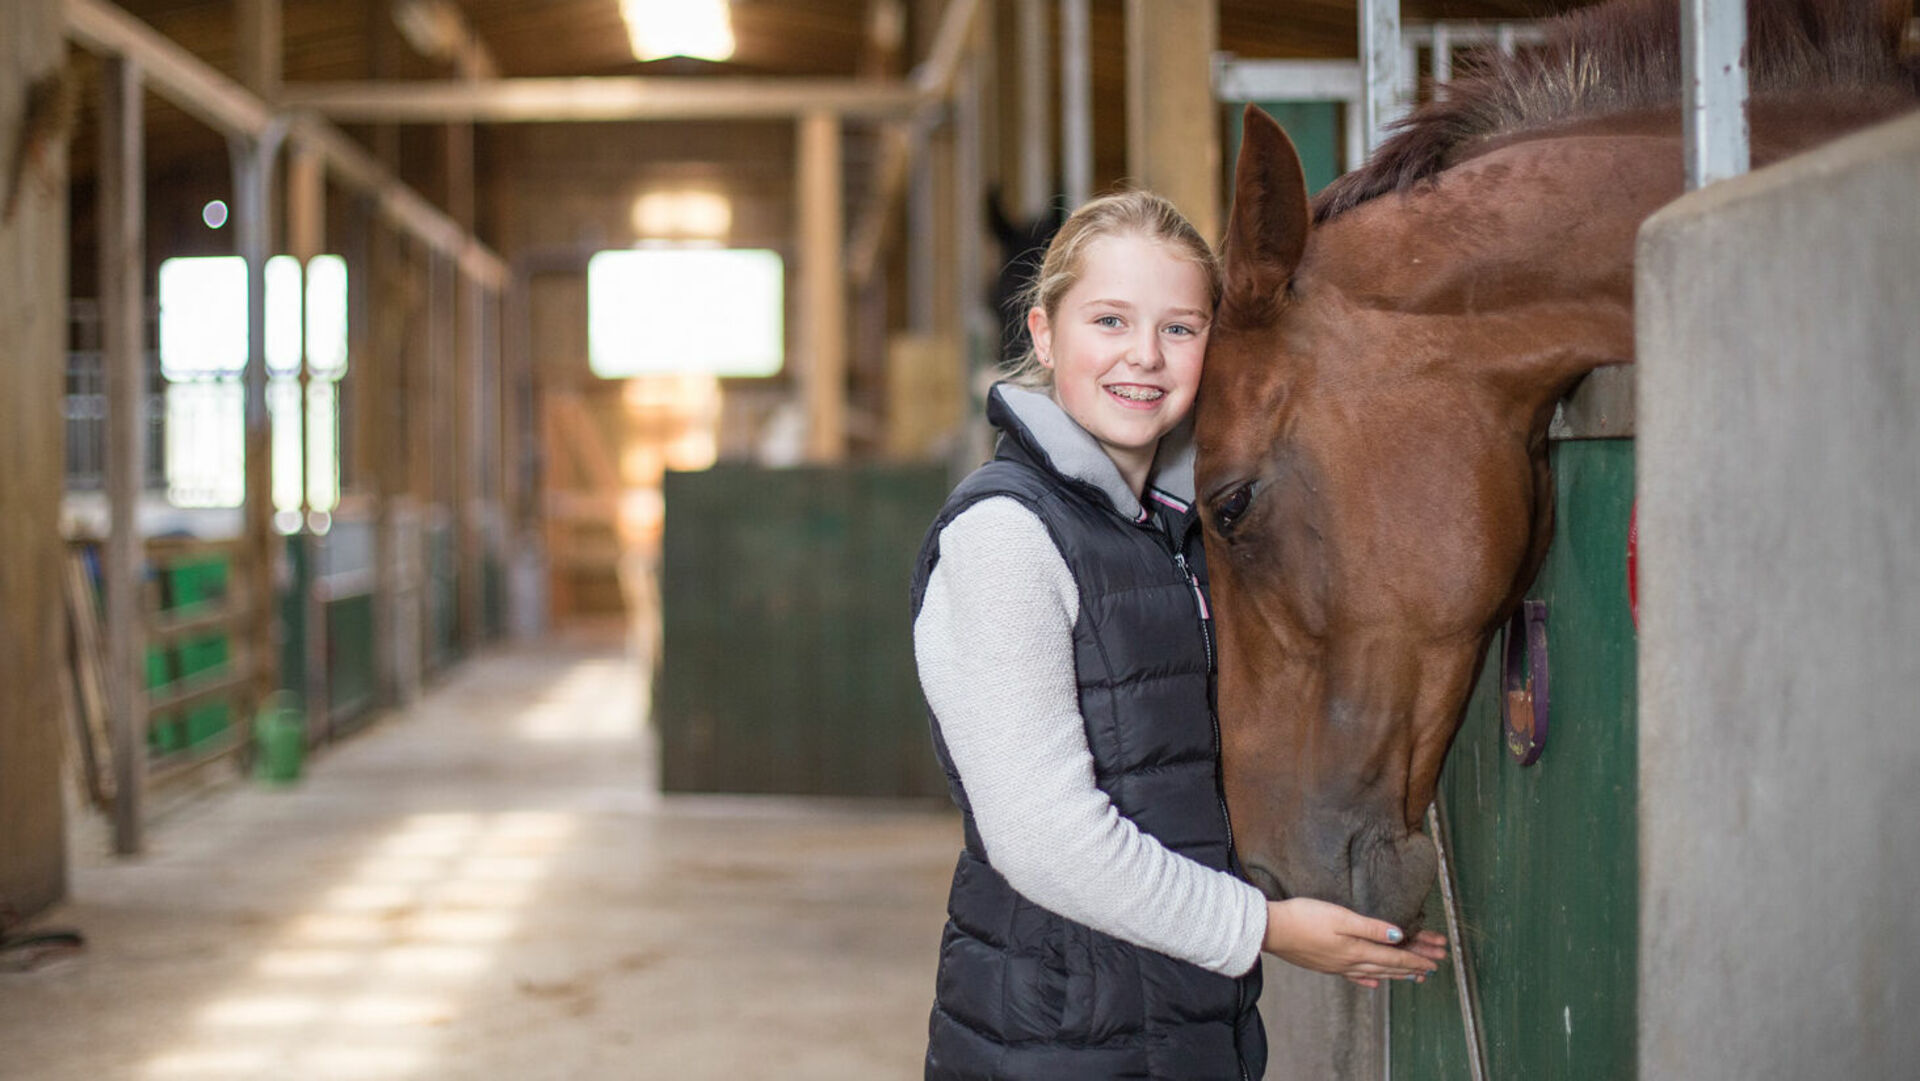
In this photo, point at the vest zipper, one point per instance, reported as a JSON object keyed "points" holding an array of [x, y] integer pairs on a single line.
{"points": [[1199, 603], [1206, 636]]}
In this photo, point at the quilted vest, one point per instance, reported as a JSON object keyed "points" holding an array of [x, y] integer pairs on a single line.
{"points": [[1022, 993]]}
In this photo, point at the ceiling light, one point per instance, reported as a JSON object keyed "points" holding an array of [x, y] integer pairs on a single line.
{"points": [[702, 29], [682, 215]]}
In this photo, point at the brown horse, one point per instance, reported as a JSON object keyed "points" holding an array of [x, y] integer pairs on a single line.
{"points": [[1373, 420]]}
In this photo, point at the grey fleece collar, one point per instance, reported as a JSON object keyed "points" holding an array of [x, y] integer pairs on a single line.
{"points": [[1075, 453]]}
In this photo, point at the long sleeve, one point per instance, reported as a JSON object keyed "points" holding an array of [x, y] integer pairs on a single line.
{"points": [[994, 646]]}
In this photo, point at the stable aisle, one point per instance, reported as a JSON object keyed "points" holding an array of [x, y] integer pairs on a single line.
{"points": [[489, 886]]}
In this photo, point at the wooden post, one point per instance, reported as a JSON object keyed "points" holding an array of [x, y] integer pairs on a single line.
{"points": [[1173, 137], [823, 292], [122, 217], [257, 46], [378, 378], [470, 457], [33, 326]]}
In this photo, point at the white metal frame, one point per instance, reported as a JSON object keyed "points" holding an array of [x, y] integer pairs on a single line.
{"points": [[1348, 81], [1713, 75]]}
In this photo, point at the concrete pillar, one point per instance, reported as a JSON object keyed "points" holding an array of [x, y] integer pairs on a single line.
{"points": [[1779, 506], [1173, 136], [33, 326]]}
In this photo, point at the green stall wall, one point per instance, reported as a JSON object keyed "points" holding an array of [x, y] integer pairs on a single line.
{"points": [[1545, 855], [788, 662]]}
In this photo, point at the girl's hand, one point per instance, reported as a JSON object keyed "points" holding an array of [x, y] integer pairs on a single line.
{"points": [[1327, 938]]}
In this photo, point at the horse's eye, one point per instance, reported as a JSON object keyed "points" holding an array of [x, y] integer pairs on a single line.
{"points": [[1227, 511]]}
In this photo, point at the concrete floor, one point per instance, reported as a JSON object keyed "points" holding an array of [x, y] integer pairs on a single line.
{"points": [[490, 886]]}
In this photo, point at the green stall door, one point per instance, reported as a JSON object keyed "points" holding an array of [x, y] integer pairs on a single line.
{"points": [[1544, 855], [1314, 127], [788, 663]]}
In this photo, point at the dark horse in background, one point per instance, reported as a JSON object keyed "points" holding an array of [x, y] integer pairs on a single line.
{"points": [[1372, 425], [1023, 246]]}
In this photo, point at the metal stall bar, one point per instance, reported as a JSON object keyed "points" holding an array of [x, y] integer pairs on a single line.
{"points": [[1380, 63], [1713, 34], [253, 164], [1036, 158], [1076, 103]]}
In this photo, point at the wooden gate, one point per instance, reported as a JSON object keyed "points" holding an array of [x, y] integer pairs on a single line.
{"points": [[1544, 856]]}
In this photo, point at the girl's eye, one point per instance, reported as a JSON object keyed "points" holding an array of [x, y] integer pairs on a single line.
{"points": [[1181, 329], [1107, 321], [1227, 512]]}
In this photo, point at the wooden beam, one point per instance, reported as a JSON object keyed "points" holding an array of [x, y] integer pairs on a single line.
{"points": [[170, 70], [823, 296], [1173, 140], [637, 97], [935, 76], [897, 143], [222, 104], [403, 206], [122, 217]]}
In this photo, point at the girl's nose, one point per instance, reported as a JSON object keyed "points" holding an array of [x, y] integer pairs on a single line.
{"points": [[1145, 352]]}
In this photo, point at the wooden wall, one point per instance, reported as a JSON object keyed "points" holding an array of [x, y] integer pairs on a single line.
{"points": [[33, 307]]}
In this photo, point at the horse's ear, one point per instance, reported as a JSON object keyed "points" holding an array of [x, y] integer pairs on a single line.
{"points": [[1267, 228]]}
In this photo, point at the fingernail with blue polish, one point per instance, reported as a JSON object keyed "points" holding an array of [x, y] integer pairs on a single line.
{"points": [[1395, 934]]}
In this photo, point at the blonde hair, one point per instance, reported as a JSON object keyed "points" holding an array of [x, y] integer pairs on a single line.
{"points": [[1126, 213]]}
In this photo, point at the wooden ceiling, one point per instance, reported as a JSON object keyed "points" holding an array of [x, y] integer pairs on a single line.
{"points": [[358, 39], [355, 39]]}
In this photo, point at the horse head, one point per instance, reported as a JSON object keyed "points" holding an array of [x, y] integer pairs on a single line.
{"points": [[1376, 496]]}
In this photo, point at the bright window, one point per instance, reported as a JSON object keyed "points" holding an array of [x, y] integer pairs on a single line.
{"points": [[203, 353], [712, 311]]}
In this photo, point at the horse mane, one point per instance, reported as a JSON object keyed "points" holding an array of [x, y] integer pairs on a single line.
{"points": [[1623, 56]]}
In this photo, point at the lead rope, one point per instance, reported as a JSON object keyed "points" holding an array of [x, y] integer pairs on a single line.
{"points": [[1464, 985]]}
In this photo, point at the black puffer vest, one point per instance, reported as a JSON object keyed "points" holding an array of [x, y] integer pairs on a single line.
{"points": [[1024, 993]]}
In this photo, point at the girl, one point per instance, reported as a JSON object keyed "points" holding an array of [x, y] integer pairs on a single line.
{"points": [[1062, 636]]}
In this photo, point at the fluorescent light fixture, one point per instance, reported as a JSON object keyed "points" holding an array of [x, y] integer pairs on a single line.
{"points": [[702, 29], [657, 311]]}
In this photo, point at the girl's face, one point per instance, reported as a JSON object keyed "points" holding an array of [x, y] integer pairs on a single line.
{"points": [[1125, 345]]}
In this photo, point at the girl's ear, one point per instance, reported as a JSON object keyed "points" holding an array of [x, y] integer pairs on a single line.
{"points": [[1041, 331]]}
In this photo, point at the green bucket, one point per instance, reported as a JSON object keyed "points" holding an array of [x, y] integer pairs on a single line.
{"points": [[279, 739]]}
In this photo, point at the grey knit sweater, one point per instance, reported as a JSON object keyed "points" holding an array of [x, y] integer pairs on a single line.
{"points": [[994, 645]]}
